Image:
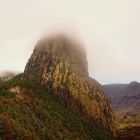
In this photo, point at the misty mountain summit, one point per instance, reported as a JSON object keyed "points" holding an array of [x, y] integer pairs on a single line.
{"points": [[55, 98], [60, 65]]}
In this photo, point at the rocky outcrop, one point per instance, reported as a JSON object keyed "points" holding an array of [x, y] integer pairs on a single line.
{"points": [[60, 65]]}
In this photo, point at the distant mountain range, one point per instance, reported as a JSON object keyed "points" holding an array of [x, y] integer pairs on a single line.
{"points": [[125, 98]]}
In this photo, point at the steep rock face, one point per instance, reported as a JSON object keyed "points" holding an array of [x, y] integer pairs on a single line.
{"points": [[61, 66]]}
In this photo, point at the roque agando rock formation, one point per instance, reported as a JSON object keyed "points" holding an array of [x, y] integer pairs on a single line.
{"points": [[60, 65]]}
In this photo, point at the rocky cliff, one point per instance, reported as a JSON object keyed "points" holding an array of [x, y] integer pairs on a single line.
{"points": [[60, 65]]}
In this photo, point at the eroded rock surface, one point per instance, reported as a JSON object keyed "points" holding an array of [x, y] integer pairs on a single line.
{"points": [[60, 65]]}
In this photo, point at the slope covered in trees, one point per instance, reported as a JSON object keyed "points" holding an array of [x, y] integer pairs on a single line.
{"points": [[37, 115]]}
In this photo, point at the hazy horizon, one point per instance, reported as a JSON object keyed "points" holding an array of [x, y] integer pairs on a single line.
{"points": [[109, 30]]}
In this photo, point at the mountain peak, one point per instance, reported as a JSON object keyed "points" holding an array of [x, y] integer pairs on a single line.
{"points": [[65, 50], [134, 83], [60, 65]]}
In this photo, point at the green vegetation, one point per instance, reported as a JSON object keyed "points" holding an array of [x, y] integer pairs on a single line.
{"points": [[40, 117]]}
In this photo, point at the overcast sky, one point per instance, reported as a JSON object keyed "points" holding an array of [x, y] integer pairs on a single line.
{"points": [[110, 30]]}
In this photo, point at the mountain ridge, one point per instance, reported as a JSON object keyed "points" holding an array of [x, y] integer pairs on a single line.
{"points": [[125, 97]]}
